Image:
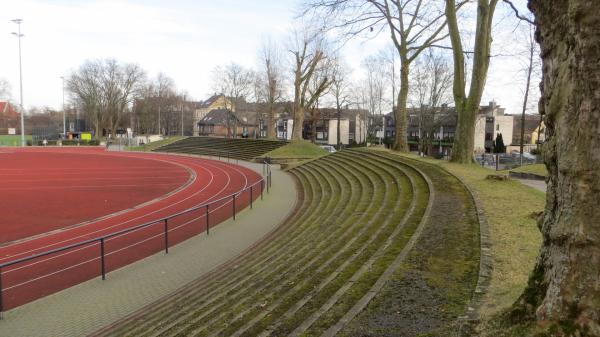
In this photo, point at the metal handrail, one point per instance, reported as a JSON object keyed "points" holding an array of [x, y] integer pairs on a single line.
{"points": [[102, 238]]}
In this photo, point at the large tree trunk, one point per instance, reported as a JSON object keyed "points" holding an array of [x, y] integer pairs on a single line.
{"points": [[401, 119], [564, 290], [298, 123], [467, 106], [271, 123], [464, 137]]}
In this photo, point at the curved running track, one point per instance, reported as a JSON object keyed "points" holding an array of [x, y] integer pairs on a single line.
{"points": [[207, 181]]}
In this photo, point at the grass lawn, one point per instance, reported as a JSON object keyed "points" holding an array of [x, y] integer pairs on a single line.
{"points": [[509, 207], [12, 140], [154, 145], [539, 169], [298, 149]]}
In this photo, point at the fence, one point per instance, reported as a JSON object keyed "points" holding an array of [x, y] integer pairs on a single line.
{"points": [[26, 279], [505, 161]]}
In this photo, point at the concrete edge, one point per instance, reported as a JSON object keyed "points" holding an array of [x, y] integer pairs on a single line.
{"points": [[220, 269]]}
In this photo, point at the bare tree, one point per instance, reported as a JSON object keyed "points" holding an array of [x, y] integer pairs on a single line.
{"points": [[271, 81], [164, 89], [530, 68], [5, 89], [309, 55], [119, 85], [236, 83], [467, 106], [432, 80], [105, 90], [340, 90], [413, 26], [563, 292], [377, 72], [84, 86]]}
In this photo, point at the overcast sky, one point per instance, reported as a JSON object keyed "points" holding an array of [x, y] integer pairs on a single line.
{"points": [[185, 39]]}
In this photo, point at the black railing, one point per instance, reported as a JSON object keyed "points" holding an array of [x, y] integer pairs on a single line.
{"points": [[165, 220]]}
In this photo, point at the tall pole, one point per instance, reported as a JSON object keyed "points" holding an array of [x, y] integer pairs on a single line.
{"points": [[19, 35], [63, 109], [159, 99], [182, 103]]}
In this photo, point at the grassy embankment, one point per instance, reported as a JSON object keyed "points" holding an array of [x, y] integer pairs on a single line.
{"points": [[301, 149], [511, 210], [154, 145]]}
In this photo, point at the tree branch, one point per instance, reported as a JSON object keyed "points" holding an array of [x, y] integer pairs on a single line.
{"points": [[519, 16]]}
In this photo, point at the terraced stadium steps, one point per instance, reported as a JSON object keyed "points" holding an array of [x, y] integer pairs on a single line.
{"points": [[365, 217], [236, 148], [361, 215]]}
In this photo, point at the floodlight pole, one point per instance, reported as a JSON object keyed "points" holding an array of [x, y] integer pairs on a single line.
{"points": [[63, 109], [19, 36]]}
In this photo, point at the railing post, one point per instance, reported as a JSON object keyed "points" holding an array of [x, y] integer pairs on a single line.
{"points": [[262, 188], [103, 266], [270, 179], [166, 236], [233, 203], [1, 295], [207, 223], [250, 197]]}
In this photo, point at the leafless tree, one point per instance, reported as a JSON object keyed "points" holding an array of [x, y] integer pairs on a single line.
{"points": [[164, 89], [376, 81], [432, 80], [309, 55], [236, 83], [340, 90], [84, 85], [467, 105], [531, 68], [5, 89], [105, 89], [271, 79], [413, 26]]}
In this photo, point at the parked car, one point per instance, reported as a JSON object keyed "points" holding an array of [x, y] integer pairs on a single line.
{"points": [[328, 148]]}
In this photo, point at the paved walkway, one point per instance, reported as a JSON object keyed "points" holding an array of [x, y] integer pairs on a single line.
{"points": [[537, 184], [85, 308]]}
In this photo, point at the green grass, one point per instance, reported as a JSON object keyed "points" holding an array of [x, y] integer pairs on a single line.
{"points": [[12, 140], [154, 145], [298, 149], [539, 169], [509, 207]]}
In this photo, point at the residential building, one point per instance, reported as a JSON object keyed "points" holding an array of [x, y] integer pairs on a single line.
{"points": [[491, 121], [322, 128], [215, 102], [227, 123]]}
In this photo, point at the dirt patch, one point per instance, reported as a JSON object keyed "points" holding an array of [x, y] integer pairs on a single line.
{"points": [[435, 284]]}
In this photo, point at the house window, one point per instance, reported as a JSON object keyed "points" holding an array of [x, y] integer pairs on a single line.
{"points": [[497, 127]]}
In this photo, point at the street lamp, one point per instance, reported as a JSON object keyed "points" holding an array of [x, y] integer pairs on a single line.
{"points": [[19, 36], [63, 109]]}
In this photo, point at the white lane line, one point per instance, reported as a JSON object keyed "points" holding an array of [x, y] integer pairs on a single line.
{"points": [[136, 218]]}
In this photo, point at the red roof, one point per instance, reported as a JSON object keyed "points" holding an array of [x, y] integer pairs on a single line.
{"points": [[7, 110]]}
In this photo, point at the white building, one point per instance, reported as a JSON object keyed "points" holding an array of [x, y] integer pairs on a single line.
{"points": [[490, 122]]}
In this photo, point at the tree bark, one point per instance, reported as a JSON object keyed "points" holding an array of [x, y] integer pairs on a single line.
{"points": [[298, 123], [563, 294], [271, 123], [401, 119], [467, 107]]}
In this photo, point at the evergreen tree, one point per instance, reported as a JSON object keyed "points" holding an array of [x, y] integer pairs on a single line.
{"points": [[499, 146]]}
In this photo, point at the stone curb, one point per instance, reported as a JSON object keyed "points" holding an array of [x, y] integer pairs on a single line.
{"points": [[523, 175]]}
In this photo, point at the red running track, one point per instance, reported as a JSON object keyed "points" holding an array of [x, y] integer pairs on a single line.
{"points": [[138, 188]]}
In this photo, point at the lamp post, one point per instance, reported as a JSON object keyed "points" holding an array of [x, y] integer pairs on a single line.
{"points": [[19, 36], [63, 109]]}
